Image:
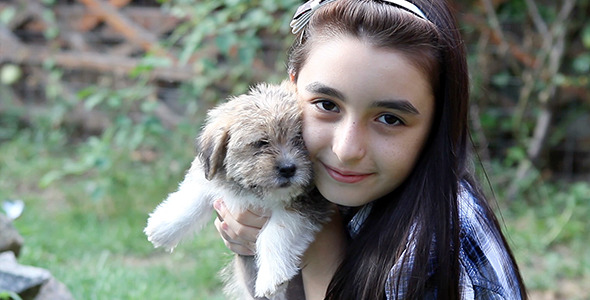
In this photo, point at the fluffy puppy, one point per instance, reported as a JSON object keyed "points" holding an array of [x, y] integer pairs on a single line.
{"points": [[252, 155]]}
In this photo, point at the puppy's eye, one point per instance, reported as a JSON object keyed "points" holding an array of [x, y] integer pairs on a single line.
{"points": [[261, 144]]}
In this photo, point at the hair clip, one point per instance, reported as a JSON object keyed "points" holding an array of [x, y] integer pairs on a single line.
{"points": [[408, 6], [303, 14]]}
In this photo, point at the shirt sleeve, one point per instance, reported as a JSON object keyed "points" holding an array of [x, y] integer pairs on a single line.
{"points": [[487, 271]]}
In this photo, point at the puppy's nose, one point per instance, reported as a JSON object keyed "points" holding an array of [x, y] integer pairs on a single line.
{"points": [[287, 170]]}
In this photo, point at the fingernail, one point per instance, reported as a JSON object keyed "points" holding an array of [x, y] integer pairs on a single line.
{"points": [[217, 204], [224, 226]]}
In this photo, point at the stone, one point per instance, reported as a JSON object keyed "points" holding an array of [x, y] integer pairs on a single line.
{"points": [[10, 239], [23, 280], [30, 283], [52, 290]]}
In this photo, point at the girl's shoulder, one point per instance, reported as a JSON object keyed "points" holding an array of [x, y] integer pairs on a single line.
{"points": [[487, 269]]}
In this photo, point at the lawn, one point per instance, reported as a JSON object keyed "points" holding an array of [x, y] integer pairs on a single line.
{"points": [[87, 229]]}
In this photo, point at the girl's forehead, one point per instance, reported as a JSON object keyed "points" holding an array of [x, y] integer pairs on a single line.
{"points": [[348, 45], [348, 57], [334, 53], [353, 70]]}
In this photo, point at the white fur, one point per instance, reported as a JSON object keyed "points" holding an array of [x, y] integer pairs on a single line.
{"points": [[184, 212], [281, 244]]}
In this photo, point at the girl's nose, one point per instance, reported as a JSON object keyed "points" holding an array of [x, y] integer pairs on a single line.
{"points": [[349, 142]]}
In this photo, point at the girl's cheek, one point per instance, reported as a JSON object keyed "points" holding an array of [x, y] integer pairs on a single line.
{"points": [[312, 134], [308, 134]]}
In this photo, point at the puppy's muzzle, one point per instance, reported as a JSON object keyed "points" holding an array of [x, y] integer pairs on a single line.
{"points": [[286, 172]]}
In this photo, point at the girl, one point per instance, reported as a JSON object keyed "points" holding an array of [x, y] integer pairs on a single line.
{"points": [[384, 90]]}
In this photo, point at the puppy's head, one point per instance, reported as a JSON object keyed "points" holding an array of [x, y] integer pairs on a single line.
{"points": [[255, 141]]}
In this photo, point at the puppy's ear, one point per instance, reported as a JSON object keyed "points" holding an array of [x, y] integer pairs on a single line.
{"points": [[212, 146], [289, 85]]}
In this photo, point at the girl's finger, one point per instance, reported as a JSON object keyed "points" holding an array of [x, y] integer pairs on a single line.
{"points": [[233, 243], [243, 225]]}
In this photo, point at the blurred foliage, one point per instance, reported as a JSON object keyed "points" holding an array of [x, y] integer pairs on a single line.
{"points": [[529, 88], [529, 63], [9, 296], [231, 43]]}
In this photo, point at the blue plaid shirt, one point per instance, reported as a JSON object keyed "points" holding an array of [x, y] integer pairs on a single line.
{"points": [[486, 271]]}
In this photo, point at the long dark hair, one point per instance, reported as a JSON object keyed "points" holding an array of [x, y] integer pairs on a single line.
{"points": [[423, 211]]}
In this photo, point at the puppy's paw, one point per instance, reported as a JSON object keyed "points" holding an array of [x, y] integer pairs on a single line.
{"points": [[269, 284], [279, 292], [161, 234], [268, 291]]}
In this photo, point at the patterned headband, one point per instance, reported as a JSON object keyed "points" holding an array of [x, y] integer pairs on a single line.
{"points": [[304, 12]]}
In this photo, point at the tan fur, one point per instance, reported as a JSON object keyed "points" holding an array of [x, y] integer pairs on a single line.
{"points": [[273, 117]]}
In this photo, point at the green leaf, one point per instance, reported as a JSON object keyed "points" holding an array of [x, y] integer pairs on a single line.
{"points": [[586, 36], [94, 100], [8, 295], [86, 92], [50, 177], [7, 14], [156, 61], [582, 63], [515, 154], [115, 100], [225, 42], [501, 79], [10, 74], [191, 45], [148, 106]]}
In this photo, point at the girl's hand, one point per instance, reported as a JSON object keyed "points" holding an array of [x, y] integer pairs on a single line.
{"points": [[239, 231]]}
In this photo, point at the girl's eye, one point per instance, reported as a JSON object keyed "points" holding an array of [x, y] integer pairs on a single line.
{"points": [[389, 119], [327, 105]]}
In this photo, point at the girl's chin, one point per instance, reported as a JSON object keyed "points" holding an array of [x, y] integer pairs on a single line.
{"points": [[344, 197]]}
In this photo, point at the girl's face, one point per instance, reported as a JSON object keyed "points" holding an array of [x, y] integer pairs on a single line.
{"points": [[366, 115]]}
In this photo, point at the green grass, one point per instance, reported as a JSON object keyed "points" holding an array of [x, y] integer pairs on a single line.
{"points": [[549, 234], [87, 204], [96, 245]]}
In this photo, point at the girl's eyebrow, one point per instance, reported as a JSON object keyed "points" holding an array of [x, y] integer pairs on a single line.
{"points": [[397, 104], [402, 105], [320, 88]]}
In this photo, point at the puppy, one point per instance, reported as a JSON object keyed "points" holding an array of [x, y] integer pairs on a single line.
{"points": [[251, 155]]}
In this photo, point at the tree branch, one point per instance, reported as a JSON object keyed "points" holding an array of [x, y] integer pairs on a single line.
{"points": [[89, 21], [126, 27], [11, 49]]}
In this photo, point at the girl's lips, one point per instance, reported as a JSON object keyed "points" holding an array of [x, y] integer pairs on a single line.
{"points": [[345, 177]]}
